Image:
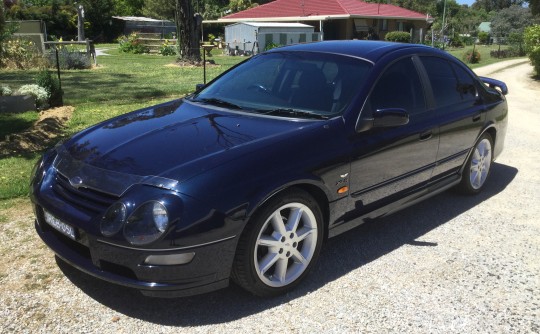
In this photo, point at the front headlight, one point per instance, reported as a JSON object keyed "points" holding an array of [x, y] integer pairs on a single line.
{"points": [[37, 173], [147, 223], [113, 220]]}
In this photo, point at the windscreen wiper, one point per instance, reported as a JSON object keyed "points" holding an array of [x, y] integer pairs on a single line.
{"points": [[293, 112], [217, 102]]}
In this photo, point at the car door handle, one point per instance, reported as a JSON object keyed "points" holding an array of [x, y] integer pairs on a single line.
{"points": [[426, 135], [476, 118]]}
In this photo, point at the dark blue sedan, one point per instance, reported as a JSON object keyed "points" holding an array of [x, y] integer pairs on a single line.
{"points": [[246, 178]]}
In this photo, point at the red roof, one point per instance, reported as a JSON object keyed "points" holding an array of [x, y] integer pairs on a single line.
{"points": [[318, 8]]}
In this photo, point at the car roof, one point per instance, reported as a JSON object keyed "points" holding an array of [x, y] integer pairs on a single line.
{"points": [[369, 50]]}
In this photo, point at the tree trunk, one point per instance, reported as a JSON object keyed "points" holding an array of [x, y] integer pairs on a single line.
{"points": [[188, 30]]}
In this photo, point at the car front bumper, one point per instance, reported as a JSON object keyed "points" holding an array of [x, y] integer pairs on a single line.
{"points": [[208, 270]]}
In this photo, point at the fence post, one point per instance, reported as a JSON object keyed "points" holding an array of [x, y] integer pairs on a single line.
{"points": [[59, 79], [204, 66]]}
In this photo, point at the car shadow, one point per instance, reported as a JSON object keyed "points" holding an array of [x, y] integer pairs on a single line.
{"points": [[340, 255]]}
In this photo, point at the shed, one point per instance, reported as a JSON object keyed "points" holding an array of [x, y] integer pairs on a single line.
{"points": [[253, 37], [146, 26], [32, 30]]}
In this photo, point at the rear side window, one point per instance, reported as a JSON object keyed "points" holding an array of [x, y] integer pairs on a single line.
{"points": [[447, 89], [466, 87], [399, 87]]}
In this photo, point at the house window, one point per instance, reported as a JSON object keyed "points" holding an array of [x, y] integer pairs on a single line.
{"points": [[383, 25], [399, 26], [360, 25]]}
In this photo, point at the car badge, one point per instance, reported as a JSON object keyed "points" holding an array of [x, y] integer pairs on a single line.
{"points": [[76, 182]]}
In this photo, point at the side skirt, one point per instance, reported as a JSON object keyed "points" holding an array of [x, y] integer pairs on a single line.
{"points": [[430, 190]]}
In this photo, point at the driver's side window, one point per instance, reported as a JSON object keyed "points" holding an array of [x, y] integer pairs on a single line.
{"points": [[399, 87]]}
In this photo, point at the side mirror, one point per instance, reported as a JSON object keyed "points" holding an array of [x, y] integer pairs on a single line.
{"points": [[199, 87], [492, 83], [384, 118]]}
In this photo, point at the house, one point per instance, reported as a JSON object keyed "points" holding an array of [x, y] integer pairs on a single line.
{"points": [[486, 27], [254, 37], [337, 19]]}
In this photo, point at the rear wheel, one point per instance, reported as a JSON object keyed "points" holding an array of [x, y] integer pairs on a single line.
{"points": [[478, 166], [280, 245]]}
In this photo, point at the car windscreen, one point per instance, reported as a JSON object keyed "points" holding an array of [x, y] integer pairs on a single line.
{"points": [[289, 84]]}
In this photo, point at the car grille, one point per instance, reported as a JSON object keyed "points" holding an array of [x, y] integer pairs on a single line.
{"points": [[84, 198]]}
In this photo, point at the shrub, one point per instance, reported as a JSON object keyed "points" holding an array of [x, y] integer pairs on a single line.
{"points": [[472, 57], [457, 42], [483, 37], [52, 86], [398, 36], [167, 49], [531, 38], [5, 90], [20, 53], [73, 60], [508, 53], [39, 93], [468, 40], [271, 46], [132, 44], [69, 60]]}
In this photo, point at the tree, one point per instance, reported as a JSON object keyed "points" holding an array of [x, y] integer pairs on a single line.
{"points": [[188, 28], [240, 5], [532, 45], [128, 7], [534, 5], [159, 9], [99, 14], [496, 5], [512, 20]]}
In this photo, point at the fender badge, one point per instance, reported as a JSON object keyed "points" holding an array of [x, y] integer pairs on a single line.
{"points": [[344, 175]]}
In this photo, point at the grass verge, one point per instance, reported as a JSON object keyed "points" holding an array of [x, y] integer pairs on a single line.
{"points": [[485, 57]]}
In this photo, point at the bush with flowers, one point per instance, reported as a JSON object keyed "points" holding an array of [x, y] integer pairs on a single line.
{"points": [[167, 49], [132, 44]]}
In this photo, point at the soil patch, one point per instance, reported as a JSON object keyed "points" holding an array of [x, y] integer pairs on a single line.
{"points": [[191, 64], [40, 136]]}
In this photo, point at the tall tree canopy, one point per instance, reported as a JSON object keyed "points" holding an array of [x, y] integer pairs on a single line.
{"points": [[534, 5], [511, 20], [496, 5]]}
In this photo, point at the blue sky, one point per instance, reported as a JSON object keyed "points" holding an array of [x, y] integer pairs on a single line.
{"points": [[465, 2]]}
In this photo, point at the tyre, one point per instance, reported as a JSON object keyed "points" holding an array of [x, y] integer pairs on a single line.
{"points": [[478, 166], [279, 245]]}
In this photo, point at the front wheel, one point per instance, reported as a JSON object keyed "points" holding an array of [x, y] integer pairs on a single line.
{"points": [[280, 246], [478, 166]]}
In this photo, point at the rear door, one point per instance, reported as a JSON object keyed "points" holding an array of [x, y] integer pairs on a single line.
{"points": [[458, 109]]}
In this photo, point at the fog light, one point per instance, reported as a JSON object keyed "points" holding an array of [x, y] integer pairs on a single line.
{"points": [[169, 259]]}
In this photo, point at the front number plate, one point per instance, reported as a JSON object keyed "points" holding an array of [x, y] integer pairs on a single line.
{"points": [[60, 226]]}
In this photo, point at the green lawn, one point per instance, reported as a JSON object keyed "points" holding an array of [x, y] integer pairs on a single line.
{"points": [[485, 58], [121, 83], [13, 123]]}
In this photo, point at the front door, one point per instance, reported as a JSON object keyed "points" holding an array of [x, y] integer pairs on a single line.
{"points": [[390, 162]]}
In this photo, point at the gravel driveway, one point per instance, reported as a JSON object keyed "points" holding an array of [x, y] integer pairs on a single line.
{"points": [[450, 264]]}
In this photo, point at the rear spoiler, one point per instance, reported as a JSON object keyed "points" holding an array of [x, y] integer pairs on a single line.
{"points": [[492, 83]]}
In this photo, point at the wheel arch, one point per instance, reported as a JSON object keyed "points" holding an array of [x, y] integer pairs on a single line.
{"points": [[319, 194], [492, 131]]}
